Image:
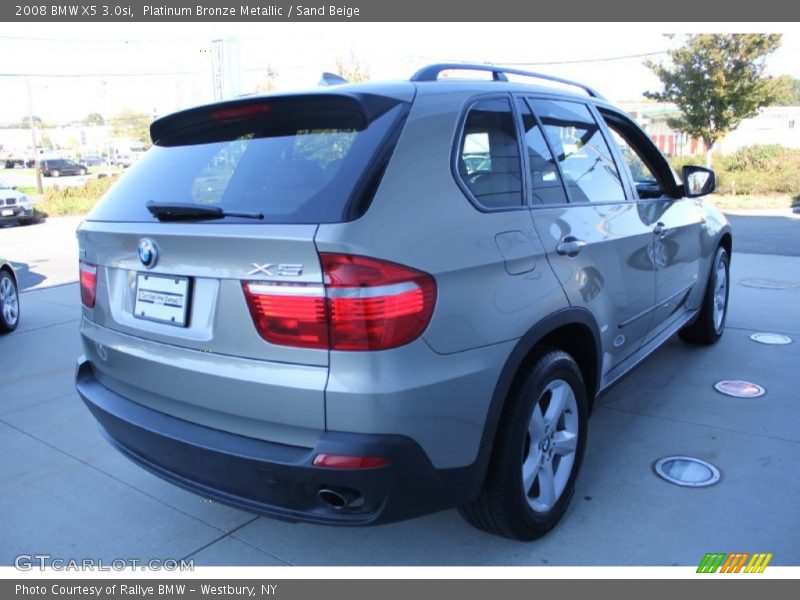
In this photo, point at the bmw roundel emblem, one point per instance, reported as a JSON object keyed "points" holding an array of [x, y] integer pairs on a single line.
{"points": [[148, 253]]}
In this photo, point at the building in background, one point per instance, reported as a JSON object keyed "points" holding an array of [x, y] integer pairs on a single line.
{"points": [[69, 141], [773, 125]]}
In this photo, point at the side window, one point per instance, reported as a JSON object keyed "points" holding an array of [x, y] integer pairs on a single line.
{"points": [[488, 160], [545, 182], [589, 170], [651, 174]]}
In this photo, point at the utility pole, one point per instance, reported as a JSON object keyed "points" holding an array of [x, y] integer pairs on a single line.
{"points": [[33, 139], [109, 149], [218, 68]]}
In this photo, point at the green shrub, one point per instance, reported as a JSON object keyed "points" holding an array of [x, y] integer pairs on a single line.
{"points": [[753, 170]]}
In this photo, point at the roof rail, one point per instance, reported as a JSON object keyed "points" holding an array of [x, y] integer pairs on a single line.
{"points": [[432, 72]]}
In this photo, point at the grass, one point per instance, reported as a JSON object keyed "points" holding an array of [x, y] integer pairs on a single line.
{"points": [[754, 202], [74, 200]]}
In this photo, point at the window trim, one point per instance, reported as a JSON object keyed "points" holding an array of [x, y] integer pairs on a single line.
{"points": [[629, 196], [528, 188], [660, 166], [456, 151]]}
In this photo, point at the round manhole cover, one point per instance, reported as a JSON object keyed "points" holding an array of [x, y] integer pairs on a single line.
{"points": [[739, 389], [770, 284], [687, 471], [773, 339]]}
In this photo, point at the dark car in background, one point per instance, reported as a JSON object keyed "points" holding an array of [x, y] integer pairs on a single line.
{"points": [[57, 167], [93, 161]]}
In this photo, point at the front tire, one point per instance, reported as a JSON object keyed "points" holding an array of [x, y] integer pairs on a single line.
{"points": [[9, 303], [710, 323], [538, 450]]}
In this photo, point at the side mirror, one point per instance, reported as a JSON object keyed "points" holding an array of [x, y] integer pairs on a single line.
{"points": [[698, 181]]}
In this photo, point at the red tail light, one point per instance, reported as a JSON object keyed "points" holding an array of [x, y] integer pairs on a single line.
{"points": [[88, 274], [290, 315], [239, 112], [338, 461], [365, 304]]}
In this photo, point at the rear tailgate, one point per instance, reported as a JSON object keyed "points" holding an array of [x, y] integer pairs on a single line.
{"points": [[216, 370]]}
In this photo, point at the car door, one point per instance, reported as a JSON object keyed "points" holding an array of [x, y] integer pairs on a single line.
{"points": [[677, 222], [597, 243]]}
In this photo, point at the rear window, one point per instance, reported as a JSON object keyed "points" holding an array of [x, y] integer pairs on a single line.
{"points": [[292, 166]]}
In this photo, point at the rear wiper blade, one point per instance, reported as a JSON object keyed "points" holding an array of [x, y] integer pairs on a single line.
{"points": [[187, 211]]}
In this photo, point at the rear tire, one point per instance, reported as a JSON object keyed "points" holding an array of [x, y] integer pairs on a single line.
{"points": [[55, 173], [710, 323], [538, 450], [9, 303]]}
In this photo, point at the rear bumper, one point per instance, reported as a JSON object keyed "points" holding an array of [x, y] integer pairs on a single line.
{"points": [[273, 479]]}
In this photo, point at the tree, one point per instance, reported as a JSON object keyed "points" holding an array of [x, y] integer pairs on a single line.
{"points": [[717, 81], [94, 119], [786, 91], [353, 70], [131, 124]]}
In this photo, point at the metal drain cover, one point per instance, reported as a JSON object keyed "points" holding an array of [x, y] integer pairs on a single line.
{"points": [[773, 339], [769, 284], [687, 471], [739, 389]]}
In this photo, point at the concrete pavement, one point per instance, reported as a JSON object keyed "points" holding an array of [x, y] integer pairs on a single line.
{"points": [[69, 494], [43, 254]]}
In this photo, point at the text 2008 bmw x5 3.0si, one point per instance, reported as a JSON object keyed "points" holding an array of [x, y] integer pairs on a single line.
{"points": [[369, 302]]}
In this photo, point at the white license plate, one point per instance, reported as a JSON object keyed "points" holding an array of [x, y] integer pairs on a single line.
{"points": [[7, 212], [162, 298]]}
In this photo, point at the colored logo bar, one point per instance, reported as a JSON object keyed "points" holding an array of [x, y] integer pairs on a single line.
{"points": [[735, 562]]}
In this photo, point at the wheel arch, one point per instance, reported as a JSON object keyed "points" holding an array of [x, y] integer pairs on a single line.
{"points": [[573, 330], [5, 267], [726, 241]]}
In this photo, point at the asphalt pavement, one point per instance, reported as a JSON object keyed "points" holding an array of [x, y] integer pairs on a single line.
{"points": [[66, 492], [770, 231]]}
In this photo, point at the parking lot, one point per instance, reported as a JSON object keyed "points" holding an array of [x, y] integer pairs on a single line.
{"points": [[69, 494]]}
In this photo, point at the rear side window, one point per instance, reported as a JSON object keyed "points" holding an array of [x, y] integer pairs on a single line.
{"points": [[488, 159], [293, 162], [590, 173]]}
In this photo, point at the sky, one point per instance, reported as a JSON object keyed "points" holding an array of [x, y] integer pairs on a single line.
{"points": [[161, 67]]}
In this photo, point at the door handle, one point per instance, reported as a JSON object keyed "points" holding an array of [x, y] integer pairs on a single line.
{"points": [[570, 246], [660, 228]]}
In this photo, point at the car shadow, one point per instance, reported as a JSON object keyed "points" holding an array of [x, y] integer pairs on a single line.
{"points": [[27, 277]]}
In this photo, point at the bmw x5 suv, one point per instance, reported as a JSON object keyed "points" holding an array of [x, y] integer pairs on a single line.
{"points": [[363, 303]]}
